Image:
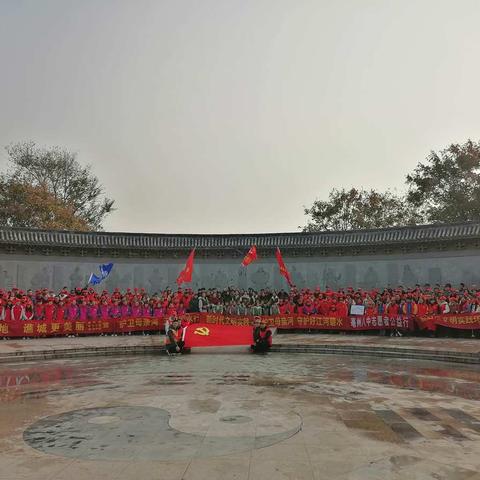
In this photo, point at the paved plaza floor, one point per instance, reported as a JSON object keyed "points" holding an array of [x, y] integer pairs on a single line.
{"points": [[238, 416], [59, 343]]}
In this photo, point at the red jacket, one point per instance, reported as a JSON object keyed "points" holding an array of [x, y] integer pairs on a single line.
{"points": [[17, 312], [49, 312], [422, 309]]}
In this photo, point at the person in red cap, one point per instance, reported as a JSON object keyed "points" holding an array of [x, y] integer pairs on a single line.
{"points": [[3, 310], [174, 343], [92, 309], [422, 308], [104, 308], [82, 309], [136, 308], [29, 313], [115, 310], [18, 310], [443, 305], [49, 310], [60, 311], [262, 339], [73, 311], [39, 308], [125, 309], [158, 310]]}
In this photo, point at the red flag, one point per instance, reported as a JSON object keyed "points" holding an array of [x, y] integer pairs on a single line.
{"points": [[185, 275], [283, 268], [250, 257], [211, 335]]}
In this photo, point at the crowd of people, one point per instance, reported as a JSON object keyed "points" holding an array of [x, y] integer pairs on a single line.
{"points": [[87, 303]]}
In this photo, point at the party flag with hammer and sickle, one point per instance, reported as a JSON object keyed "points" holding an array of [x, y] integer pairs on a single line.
{"points": [[211, 335]]}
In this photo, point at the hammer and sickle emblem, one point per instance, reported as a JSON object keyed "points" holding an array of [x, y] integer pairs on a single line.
{"points": [[201, 331]]}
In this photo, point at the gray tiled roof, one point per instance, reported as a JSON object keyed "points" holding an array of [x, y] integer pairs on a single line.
{"points": [[403, 235]]}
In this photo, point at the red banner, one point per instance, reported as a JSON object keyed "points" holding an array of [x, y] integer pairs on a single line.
{"points": [[211, 335], [40, 328], [464, 321], [317, 322]]}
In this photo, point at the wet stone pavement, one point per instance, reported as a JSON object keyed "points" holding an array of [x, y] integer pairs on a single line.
{"points": [[239, 416]]}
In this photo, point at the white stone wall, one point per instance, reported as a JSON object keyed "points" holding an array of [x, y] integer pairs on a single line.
{"points": [[359, 271]]}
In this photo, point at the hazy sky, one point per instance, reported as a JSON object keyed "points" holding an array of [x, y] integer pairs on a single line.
{"points": [[215, 116]]}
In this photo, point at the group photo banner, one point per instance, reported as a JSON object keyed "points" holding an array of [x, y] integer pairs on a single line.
{"points": [[315, 322], [463, 321], [40, 328]]}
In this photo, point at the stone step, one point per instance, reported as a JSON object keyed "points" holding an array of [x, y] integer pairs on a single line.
{"points": [[324, 349], [369, 348], [29, 356], [407, 353]]}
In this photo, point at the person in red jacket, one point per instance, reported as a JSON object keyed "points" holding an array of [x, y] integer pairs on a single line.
{"points": [[262, 340], [285, 307], [370, 308], [422, 308], [432, 307], [3, 310], [60, 311], [341, 308], [392, 308], [29, 313], [324, 305], [173, 339], [39, 310], [17, 311], [49, 310]]}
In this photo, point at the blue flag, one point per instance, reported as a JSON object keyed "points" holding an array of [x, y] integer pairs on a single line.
{"points": [[105, 270], [94, 280]]}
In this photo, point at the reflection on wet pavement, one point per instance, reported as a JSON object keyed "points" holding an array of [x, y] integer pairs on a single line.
{"points": [[379, 418], [463, 381]]}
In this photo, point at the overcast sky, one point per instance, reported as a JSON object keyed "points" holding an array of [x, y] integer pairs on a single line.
{"points": [[221, 116]]}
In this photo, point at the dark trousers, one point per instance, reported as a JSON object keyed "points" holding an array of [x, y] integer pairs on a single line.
{"points": [[172, 348], [261, 346]]}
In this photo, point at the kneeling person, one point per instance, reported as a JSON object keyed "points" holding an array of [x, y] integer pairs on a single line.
{"points": [[262, 340], [173, 340]]}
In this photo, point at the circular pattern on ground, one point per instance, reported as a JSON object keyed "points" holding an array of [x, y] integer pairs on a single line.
{"points": [[102, 419], [143, 433], [236, 419]]}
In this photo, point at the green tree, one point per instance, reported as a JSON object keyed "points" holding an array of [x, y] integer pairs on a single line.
{"points": [[446, 188], [358, 209], [63, 183]]}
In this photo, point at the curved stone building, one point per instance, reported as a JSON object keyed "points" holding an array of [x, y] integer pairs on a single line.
{"points": [[364, 258]]}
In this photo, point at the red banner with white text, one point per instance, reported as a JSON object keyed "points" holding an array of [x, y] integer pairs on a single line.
{"points": [[463, 321], [316, 322], [40, 328]]}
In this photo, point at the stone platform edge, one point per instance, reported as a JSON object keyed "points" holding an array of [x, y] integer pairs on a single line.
{"points": [[319, 349]]}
